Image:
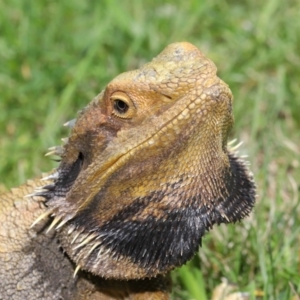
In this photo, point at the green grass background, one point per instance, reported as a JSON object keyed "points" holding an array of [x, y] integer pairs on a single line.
{"points": [[55, 56]]}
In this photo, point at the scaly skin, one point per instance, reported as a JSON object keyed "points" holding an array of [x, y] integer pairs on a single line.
{"points": [[144, 174], [32, 266]]}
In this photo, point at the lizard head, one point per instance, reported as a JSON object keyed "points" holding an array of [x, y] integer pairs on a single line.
{"points": [[146, 170]]}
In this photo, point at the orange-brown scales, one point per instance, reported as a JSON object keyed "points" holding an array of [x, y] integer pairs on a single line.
{"points": [[146, 172]]}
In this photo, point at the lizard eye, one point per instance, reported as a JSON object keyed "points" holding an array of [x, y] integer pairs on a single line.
{"points": [[122, 105]]}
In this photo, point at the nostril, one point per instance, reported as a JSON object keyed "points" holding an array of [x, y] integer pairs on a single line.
{"points": [[81, 158]]}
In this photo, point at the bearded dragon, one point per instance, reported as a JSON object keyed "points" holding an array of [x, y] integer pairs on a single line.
{"points": [[145, 172]]}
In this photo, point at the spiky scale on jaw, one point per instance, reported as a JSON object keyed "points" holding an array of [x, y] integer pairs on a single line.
{"points": [[75, 237], [52, 176], [76, 271], [46, 214], [61, 223], [88, 239], [71, 229], [95, 245], [146, 169], [65, 140], [70, 123], [55, 150], [56, 220]]}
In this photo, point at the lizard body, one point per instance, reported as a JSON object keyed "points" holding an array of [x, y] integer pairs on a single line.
{"points": [[32, 265], [143, 175]]}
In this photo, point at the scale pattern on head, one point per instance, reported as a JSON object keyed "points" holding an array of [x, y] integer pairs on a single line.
{"points": [[146, 170]]}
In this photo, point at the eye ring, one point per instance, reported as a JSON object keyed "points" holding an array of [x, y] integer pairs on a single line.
{"points": [[122, 106]]}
